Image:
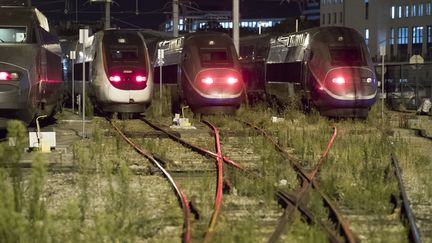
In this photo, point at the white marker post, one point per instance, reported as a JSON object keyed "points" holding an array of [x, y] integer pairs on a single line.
{"points": [[382, 52], [72, 56], [161, 55], [83, 38]]}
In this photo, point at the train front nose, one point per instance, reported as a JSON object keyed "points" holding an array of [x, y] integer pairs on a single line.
{"points": [[220, 84], [351, 84]]}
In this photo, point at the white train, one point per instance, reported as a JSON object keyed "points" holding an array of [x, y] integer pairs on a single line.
{"points": [[120, 69]]}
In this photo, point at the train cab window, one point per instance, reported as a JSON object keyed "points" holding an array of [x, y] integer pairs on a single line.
{"points": [[347, 56], [13, 34], [124, 54], [215, 57]]}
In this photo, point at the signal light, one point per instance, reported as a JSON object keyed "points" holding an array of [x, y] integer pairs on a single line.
{"points": [[232, 80], [207, 80], [338, 80], [115, 78], [8, 76], [140, 78]]}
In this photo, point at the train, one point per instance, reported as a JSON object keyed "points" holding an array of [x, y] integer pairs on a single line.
{"points": [[204, 67], [118, 71], [328, 68], [31, 80]]}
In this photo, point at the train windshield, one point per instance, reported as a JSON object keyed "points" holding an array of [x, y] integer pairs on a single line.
{"points": [[347, 56], [13, 34], [215, 57], [124, 54]]}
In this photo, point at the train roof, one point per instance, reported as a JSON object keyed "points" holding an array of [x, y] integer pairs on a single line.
{"points": [[23, 16]]}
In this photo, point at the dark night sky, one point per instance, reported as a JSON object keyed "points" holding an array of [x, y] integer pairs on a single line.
{"points": [[154, 12]]}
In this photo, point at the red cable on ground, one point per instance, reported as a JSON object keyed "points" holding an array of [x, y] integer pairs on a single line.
{"points": [[219, 186], [181, 196]]}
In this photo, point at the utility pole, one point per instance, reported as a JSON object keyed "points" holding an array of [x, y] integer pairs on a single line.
{"points": [[175, 7], [107, 22], [107, 14], [236, 21]]}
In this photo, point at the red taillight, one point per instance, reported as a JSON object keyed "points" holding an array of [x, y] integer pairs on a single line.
{"points": [[115, 78], [140, 78], [207, 80], [4, 76], [232, 80], [338, 80], [8, 76]]}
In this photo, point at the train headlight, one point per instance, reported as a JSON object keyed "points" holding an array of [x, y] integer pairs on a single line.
{"points": [[9, 76], [232, 80], [115, 78], [338, 80], [369, 80], [140, 78], [207, 80]]}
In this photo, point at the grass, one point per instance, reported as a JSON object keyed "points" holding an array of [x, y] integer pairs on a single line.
{"points": [[105, 201]]}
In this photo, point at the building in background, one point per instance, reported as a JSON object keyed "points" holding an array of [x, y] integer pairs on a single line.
{"points": [[218, 19], [404, 27]]}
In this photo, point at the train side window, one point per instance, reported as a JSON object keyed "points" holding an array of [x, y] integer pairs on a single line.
{"points": [[14, 34]]}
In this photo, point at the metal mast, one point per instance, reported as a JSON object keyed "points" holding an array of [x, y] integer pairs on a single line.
{"points": [[236, 21], [175, 6]]}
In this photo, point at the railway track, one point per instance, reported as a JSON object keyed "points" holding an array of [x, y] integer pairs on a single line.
{"points": [[282, 195], [308, 181]]}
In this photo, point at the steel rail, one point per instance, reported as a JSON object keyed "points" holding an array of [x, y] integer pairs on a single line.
{"points": [[181, 196], [304, 190], [219, 185], [195, 148], [344, 226], [409, 215], [305, 176], [293, 200]]}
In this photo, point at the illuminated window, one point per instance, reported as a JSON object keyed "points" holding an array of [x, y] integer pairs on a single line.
{"points": [[417, 34], [392, 36], [428, 9], [403, 35], [393, 9], [413, 10], [399, 11], [367, 36], [406, 10], [429, 34], [420, 9]]}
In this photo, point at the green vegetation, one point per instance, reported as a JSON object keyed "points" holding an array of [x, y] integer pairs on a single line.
{"points": [[105, 201]]}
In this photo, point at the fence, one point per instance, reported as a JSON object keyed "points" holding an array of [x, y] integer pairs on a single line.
{"points": [[406, 84]]}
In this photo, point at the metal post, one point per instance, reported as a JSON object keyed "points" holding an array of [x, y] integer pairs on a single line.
{"points": [[175, 6], [76, 11], [73, 57], [382, 82], [417, 98], [161, 55], [83, 94], [83, 35], [108, 14], [236, 21], [297, 25]]}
